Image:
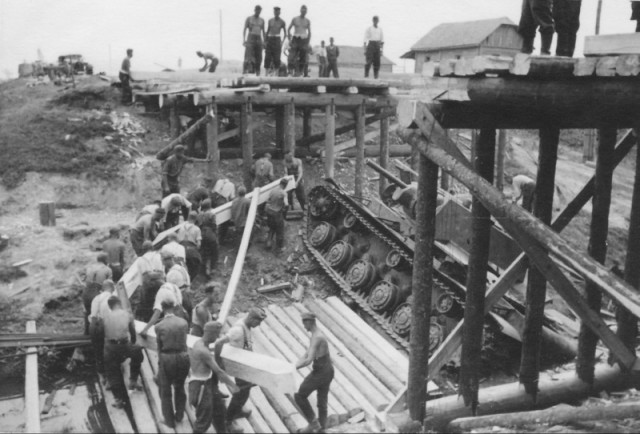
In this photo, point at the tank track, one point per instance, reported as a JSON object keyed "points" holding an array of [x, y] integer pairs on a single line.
{"points": [[383, 233]]}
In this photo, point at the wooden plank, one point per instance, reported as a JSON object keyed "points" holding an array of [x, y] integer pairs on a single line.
{"points": [[47, 213], [609, 45], [253, 367], [359, 172], [246, 141], [330, 140], [491, 64], [268, 413], [212, 138], [606, 66], [143, 416], [628, 65], [290, 127], [275, 287], [193, 129], [585, 66], [31, 386], [148, 374], [258, 423], [118, 416], [383, 158]]}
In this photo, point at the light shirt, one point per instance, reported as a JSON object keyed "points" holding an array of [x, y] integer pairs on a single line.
{"points": [[150, 261], [240, 336], [518, 182], [167, 200], [322, 51], [179, 276], [100, 305], [176, 249], [373, 34], [167, 292], [225, 188], [191, 233]]}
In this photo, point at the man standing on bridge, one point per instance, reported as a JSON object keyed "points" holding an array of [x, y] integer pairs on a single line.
{"points": [[536, 14], [253, 37], [274, 42], [318, 380], [300, 40], [373, 42], [566, 14], [333, 52], [208, 57]]}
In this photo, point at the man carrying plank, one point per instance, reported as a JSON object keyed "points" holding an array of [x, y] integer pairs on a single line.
{"points": [[318, 380], [207, 310], [203, 384]]}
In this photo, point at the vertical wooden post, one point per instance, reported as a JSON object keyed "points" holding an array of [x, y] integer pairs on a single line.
{"points": [[212, 138], [359, 181], [246, 139], [306, 122], [330, 140], [627, 323], [472, 148], [537, 285], [47, 213], [502, 145], [290, 128], [597, 247], [477, 275], [383, 159], [280, 115], [422, 287], [174, 120], [589, 146], [444, 177], [31, 386]]}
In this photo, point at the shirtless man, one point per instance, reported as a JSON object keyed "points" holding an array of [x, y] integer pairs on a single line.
{"points": [[274, 42], [208, 57], [203, 384], [207, 310], [300, 39], [319, 379], [253, 37]]}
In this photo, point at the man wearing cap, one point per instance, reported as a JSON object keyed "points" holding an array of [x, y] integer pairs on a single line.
{"points": [[300, 39], [263, 171], [275, 208], [145, 229], [114, 248], [204, 394], [152, 270], [240, 210], [253, 37], [96, 273], [319, 379], [120, 345], [171, 170], [239, 336], [209, 245], [293, 167], [173, 363], [275, 27], [191, 237], [99, 308], [208, 309], [173, 205], [179, 276], [373, 42]]}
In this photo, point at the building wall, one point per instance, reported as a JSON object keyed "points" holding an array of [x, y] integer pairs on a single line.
{"points": [[439, 55], [504, 37]]}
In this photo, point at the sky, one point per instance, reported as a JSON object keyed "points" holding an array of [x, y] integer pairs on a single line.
{"points": [[163, 31]]}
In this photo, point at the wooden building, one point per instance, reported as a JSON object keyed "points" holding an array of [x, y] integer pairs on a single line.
{"points": [[466, 40]]}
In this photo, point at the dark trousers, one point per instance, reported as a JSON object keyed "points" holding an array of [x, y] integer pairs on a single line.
{"points": [[173, 369], [536, 13], [566, 14], [272, 53], [151, 283], [114, 356], [173, 186], [332, 67], [253, 55], [322, 67], [298, 51], [300, 195], [125, 80], [173, 217], [318, 380], [528, 193], [96, 330], [209, 404], [136, 241], [209, 250], [213, 65], [193, 258], [116, 270], [372, 57], [238, 400], [275, 222]]}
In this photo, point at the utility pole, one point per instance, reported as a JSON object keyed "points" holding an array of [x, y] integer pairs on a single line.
{"points": [[598, 13]]}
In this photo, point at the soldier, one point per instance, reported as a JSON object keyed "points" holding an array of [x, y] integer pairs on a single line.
{"points": [[276, 206], [209, 245], [96, 273], [114, 248], [536, 14], [274, 42], [207, 310], [263, 171], [299, 42], [566, 14], [373, 42], [253, 37], [145, 229], [293, 167]]}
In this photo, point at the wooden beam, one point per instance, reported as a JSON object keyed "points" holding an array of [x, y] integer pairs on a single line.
{"points": [[492, 64], [470, 359], [290, 128], [548, 67], [536, 284], [174, 121], [500, 154], [383, 158], [530, 235], [422, 287], [301, 99], [609, 45], [280, 122], [359, 172], [306, 122], [246, 140], [288, 82], [212, 139], [237, 267], [330, 140], [588, 340], [193, 129], [628, 65], [31, 387]]}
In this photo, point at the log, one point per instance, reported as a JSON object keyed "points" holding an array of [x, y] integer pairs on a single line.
{"points": [[628, 65], [255, 419], [246, 142], [606, 66], [212, 139], [561, 414], [609, 45], [31, 387], [290, 127], [267, 411], [383, 158], [551, 67], [363, 354], [585, 66], [330, 140], [395, 151], [164, 153], [256, 368], [330, 83], [275, 287], [359, 142], [492, 64], [287, 411], [300, 99], [506, 398], [47, 213]]}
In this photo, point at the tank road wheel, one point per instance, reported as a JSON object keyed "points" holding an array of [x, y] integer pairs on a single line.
{"points": [[384, 296], [447, 305], [436, 335], [323, 235], [387, 195], [349, 221], [339, 255], [401, 320], [361, 274], [321, 204], [395, 260]]}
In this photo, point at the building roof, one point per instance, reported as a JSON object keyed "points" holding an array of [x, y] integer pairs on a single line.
{"points": [[349, 55], [468, 33]]}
